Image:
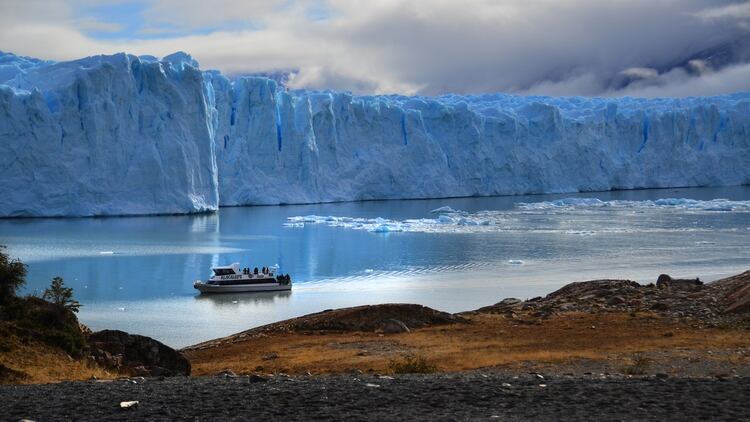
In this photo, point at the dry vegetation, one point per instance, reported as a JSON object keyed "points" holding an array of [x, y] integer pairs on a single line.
{"points": [[488, 340], [32, 362]]}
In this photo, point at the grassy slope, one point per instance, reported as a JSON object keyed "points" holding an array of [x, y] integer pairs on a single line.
{"points": [[41, 342], [487, 341]]}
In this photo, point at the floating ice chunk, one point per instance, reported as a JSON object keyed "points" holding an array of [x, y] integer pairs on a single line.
{"points": [[515, 262], [443, 210], [369, 270], [578, 202], [296, 225], [106, 253], [581, 232], [444, 219], [386, 228]]}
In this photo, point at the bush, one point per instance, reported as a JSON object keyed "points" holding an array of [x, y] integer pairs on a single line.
{"points": [[639, 365], [53, 325], [32, 318], [412, 364], [12, 276]]}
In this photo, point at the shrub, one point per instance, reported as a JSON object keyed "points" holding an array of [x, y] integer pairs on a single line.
{"points": [[412, 364], [12, 276], [639, 365]]}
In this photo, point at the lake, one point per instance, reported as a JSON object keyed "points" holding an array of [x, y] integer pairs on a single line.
{"points": [[136, 273]]}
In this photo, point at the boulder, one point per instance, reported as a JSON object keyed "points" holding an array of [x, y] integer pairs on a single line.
{"points": [[394, 326], [666, 282], [660, 306], [739, 300], [136, 355]]}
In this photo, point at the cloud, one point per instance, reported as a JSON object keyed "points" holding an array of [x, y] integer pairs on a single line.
{"points": [[576, 47], [730, 11], [679, 83], [640, 72], [95, 25]]}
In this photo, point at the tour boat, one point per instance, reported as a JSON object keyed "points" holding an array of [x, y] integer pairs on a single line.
{"points": [[233, 279]]}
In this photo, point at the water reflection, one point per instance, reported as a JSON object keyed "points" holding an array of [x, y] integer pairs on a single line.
{"points": [[228, 300]]}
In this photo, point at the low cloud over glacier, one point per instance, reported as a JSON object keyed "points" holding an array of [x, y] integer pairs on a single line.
{"points": [[578, 47]]}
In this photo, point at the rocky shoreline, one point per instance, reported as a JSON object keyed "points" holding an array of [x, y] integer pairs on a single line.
{"points": [[462, 396], [724, 303]]}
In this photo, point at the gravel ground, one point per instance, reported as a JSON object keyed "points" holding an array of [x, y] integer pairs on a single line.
{"points": [[465, 396]]}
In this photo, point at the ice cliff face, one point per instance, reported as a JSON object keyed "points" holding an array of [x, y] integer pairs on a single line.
{"points": [[127, 135], [105, 135]]}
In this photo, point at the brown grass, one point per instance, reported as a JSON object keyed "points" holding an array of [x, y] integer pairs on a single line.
{"points": [[42, 364], [488, 341]]}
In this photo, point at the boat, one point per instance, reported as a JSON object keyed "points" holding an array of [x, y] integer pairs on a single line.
{"points": [[233, 279]]}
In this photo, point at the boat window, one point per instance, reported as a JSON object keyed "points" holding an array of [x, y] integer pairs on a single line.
{"points": [[223, 271]]}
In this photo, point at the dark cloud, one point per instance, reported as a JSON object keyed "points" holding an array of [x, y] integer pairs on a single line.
{"points": [[573, 47]]}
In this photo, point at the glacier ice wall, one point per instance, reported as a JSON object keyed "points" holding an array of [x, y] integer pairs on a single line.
{"points": [[106, 135], [133, 135]]}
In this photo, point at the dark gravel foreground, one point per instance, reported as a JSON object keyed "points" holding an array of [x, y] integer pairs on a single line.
{"points": [[468, 396]]}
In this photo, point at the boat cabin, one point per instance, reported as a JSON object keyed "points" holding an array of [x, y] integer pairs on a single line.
{"points": [[234, 272], [227, 269]]}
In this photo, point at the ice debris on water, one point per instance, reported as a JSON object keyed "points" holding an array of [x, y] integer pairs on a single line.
{"points": [[666, 203], [515, 262], [213, 140], [443, 210], [449, 220]]}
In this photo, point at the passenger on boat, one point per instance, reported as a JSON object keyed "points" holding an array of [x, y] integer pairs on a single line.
{"points": [[255, 271]]}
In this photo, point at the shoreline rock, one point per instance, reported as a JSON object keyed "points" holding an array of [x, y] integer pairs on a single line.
{"points": [[722, 303], [136, 355]]}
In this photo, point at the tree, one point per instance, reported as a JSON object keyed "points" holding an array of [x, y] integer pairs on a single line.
{"points": [[12, 276], [58, 294]]}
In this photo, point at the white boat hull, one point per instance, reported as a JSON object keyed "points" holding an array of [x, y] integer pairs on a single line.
{"points": [[240, 288]]}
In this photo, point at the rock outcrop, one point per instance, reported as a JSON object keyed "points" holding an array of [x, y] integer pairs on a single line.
{"points": [[721, 303], [388, 318], [136, 355]]}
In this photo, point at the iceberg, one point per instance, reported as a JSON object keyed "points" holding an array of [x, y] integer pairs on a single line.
{"points": [[126, 135]]}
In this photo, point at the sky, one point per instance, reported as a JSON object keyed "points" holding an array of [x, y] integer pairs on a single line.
{"points": [[552, 47]]}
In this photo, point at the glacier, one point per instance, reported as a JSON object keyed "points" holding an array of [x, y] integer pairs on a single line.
{"points": [[127, 135]]}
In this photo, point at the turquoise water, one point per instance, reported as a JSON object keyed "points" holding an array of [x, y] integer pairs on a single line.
{"points": [[136, 273]]}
